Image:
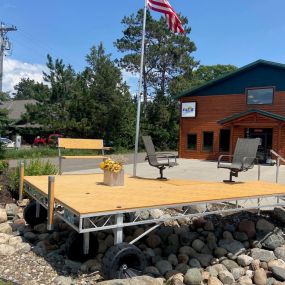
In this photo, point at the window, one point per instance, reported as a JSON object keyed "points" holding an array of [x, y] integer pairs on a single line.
{"points": [[208, 140], [192, 141], [225, 138], [260, 96]]}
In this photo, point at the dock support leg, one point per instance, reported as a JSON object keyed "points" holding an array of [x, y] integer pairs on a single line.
{"points": [[50, 203], [86, 240], [258, 204], [258, 172], [59, 162], [38, 208], [118, 232], [21, 182]]}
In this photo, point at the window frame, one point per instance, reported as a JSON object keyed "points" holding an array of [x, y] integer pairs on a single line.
{"points": [[213, 139], [258, 88], [196, 146]]}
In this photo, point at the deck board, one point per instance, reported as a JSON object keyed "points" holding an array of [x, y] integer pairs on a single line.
{"points": [[85, 194]]}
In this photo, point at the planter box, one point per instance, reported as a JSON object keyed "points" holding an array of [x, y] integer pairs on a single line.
{"points": [[113, 179]]}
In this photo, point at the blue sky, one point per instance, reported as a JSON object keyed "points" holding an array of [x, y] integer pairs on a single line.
{"points": [[226, 32]]}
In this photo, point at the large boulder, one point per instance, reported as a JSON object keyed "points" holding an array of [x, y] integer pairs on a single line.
{"points": [[193, 277], [262, 254], [3, 216], [247, 227], [139, 280]]}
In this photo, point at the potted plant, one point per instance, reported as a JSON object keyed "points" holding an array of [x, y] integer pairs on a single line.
{"points": [[113, 172]]}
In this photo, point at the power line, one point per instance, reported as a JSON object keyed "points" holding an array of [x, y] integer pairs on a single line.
{"points": [[5, 46]]}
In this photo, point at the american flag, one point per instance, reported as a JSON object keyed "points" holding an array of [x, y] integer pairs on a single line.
{"points": [[164, 7]]}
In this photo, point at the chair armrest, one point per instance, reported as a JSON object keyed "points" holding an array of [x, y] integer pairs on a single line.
{"points": [[221, 157], [167, 155], [244, 159]]}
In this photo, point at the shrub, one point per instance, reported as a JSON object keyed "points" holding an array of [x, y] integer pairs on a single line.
{"points": [[35, 167], [3, 165]]}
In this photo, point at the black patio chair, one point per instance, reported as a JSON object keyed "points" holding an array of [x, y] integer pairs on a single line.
{"points": [[159, 160], [243, 159]]}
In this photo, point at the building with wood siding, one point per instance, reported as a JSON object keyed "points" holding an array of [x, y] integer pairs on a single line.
{"points": [[249, 102]]}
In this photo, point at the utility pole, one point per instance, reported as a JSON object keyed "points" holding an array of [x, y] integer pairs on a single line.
{"points": [[5, 45]]}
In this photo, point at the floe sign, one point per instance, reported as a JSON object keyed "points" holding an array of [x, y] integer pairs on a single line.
{"points": [[188, 110]]}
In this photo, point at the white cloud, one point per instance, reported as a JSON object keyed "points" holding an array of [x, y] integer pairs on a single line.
{"points": [[132, 80], [15, 70]]}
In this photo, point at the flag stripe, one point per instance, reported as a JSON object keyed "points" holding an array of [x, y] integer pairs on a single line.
{"points": [[163, 6]]}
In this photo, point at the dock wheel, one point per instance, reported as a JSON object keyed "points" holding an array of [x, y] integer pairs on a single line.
{"points": [[30, 214], [123, 261], [74, 249]]}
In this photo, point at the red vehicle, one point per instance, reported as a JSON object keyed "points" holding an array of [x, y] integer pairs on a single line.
{"points": [[51, 140]]}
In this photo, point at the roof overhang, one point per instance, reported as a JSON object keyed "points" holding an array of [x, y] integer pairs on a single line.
{"points": [[239, 117]]}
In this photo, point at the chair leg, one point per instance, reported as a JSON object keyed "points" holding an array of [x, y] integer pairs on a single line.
{"points": [[161, 174], [232, 173]]}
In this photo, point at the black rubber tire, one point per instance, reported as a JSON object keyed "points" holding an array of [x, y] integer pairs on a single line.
{"points": [[74, 247], [30, 214], [123, 261]]}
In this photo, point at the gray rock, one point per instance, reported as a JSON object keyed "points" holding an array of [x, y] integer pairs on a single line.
{"points": [[40, 228], [260, 277], [278, 273], [3, 216], [220, 251], [193, 277], [186, 238], [73, 265], [197, 245], [6, 249], [143, 215], [139, 280], [30, 236], [209, 226], [152, 271], [280, 252], [230, 264], [5, 228], [228, 235], [240, 236], [187, 250], [4, 238], [273, 241], [173, 239], [262, 254], [204, 259], [11, 210], [237, 272], [230, 228], [279, 213], [226, 277], [264, 226], [245, 280], [62, 280], [182, 267], [172, 259], [244, 260], [219, 267], [90, 266], [212, 271], [163, 266], [193, 262], [232, 246]]}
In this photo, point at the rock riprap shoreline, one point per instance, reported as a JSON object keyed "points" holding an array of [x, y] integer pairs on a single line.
{"points": [[243, 248]]}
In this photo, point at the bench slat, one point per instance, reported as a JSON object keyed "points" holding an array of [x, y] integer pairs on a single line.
{"points": [[80, 143], [83, 156]]}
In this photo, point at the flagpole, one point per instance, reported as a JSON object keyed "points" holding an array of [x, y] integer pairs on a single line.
{"points": [[139, 94]]}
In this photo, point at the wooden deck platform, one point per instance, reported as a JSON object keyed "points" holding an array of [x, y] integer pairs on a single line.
{"points": [[85, 194]]}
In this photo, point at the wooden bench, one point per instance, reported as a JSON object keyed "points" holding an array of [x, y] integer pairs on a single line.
{"points": [[91, 144]]}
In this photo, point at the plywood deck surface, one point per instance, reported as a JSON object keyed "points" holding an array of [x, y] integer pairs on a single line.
{"points": [[85, 194]]}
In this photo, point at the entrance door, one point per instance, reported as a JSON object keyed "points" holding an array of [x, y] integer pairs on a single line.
{"points": [[265, 135]]}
